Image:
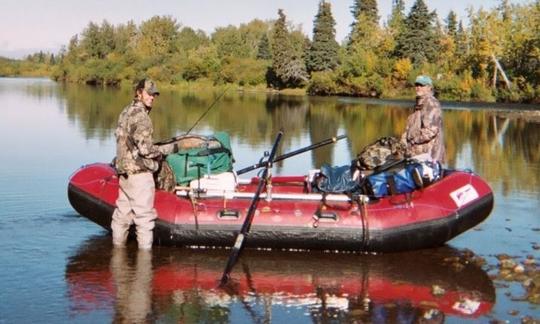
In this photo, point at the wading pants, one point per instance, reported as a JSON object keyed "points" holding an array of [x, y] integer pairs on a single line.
{"points": [[135, 204]]}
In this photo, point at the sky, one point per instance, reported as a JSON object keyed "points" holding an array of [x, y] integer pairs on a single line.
{"points": [[28, 26]]}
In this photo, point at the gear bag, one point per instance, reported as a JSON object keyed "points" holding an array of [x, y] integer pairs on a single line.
{"points": [[336, 179], [401, 177], [205, 155]]}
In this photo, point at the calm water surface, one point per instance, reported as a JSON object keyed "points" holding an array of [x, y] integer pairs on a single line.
{"points": [[59, 267]]}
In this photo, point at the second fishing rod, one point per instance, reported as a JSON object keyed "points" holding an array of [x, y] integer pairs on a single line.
{"points": [[176, 138]]}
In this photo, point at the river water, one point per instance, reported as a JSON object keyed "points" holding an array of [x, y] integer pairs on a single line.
{"points": [[57, 266]]}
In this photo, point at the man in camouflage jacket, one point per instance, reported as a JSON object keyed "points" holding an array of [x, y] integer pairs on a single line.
{"points": [[137, 158], [424, 131]]}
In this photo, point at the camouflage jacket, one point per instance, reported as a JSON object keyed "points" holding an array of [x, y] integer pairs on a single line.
{"points": [[135, 151], [424, 131]]}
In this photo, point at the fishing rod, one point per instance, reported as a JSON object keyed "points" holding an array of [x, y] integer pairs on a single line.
{"points": [[293, 153], [176, 138]]}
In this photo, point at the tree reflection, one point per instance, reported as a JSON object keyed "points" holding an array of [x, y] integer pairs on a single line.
{"points": [[503, 148]]}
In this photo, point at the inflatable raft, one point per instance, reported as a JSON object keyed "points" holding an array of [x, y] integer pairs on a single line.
{"points": [[291, 215]]}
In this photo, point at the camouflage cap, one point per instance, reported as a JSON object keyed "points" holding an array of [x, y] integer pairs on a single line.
{"points": [[423, 80], [148, 85]]}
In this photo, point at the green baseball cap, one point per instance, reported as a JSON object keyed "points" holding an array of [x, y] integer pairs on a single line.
{"points": [[423, 80], [148, 85]]}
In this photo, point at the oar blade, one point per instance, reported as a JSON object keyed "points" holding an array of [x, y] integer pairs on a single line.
{"points": [[233, 257]]}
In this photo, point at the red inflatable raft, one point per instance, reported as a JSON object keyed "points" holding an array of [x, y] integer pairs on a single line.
{"points": [[290, 216]]}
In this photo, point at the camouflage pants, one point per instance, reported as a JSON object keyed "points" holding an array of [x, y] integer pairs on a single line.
{"points": [[135, 204]]}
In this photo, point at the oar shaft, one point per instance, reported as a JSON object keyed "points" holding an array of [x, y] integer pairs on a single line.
{"points": [[293, 153], [239, 242]]}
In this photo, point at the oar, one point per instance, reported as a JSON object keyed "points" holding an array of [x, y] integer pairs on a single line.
{"points": [[293, 153], [176, 138], [239, 242]]}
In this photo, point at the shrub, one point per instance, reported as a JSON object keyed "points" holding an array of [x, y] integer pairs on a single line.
{"points": [[244, 71], [322, 83]]}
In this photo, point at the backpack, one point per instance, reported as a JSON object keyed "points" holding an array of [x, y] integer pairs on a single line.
{"points": [[336, 179], [380, 152]]}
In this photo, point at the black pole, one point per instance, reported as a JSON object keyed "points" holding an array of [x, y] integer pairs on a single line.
{"points": [[293, 153], [176, 138], [239, 242]]}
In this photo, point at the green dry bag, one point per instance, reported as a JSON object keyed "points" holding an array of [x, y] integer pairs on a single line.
{"points": [[211, 155]]}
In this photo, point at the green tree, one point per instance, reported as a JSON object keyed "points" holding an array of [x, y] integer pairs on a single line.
{"points": [[97, 41], [368, 8], [366, 60], [521, 49], [288, 67], [323, 52], [202, 62], [263, 49], [396, 22], [505, 9], [229, 42], [366, 20], [451, 24], [189, 39], [251, 34], [125, 37], [461, 41], [418, 41], [487, 35], [90, 42], [157, 39]]}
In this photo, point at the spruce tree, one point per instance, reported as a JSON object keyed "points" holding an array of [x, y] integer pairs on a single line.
{"points": [[451, 24], [418, 40], [323, 52], [505, 10], [461, 41], [366, 19], [263, 48], [288, 68], [396, 23], [366, 7]]}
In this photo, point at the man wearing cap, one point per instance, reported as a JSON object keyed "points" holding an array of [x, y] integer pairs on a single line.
{"points": [[424, 131], [137, 158]]}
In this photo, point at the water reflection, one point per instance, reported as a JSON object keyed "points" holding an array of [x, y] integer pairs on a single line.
{"points": [[181, 285], [132, 278]]}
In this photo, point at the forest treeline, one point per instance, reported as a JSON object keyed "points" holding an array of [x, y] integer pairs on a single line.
{"points": [[495, 56]]}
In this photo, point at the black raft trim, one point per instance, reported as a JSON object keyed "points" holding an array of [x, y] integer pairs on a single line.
{"points": [[91, 207]]}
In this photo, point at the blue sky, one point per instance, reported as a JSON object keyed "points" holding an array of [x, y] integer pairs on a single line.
{"points": [[27, 26]]}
